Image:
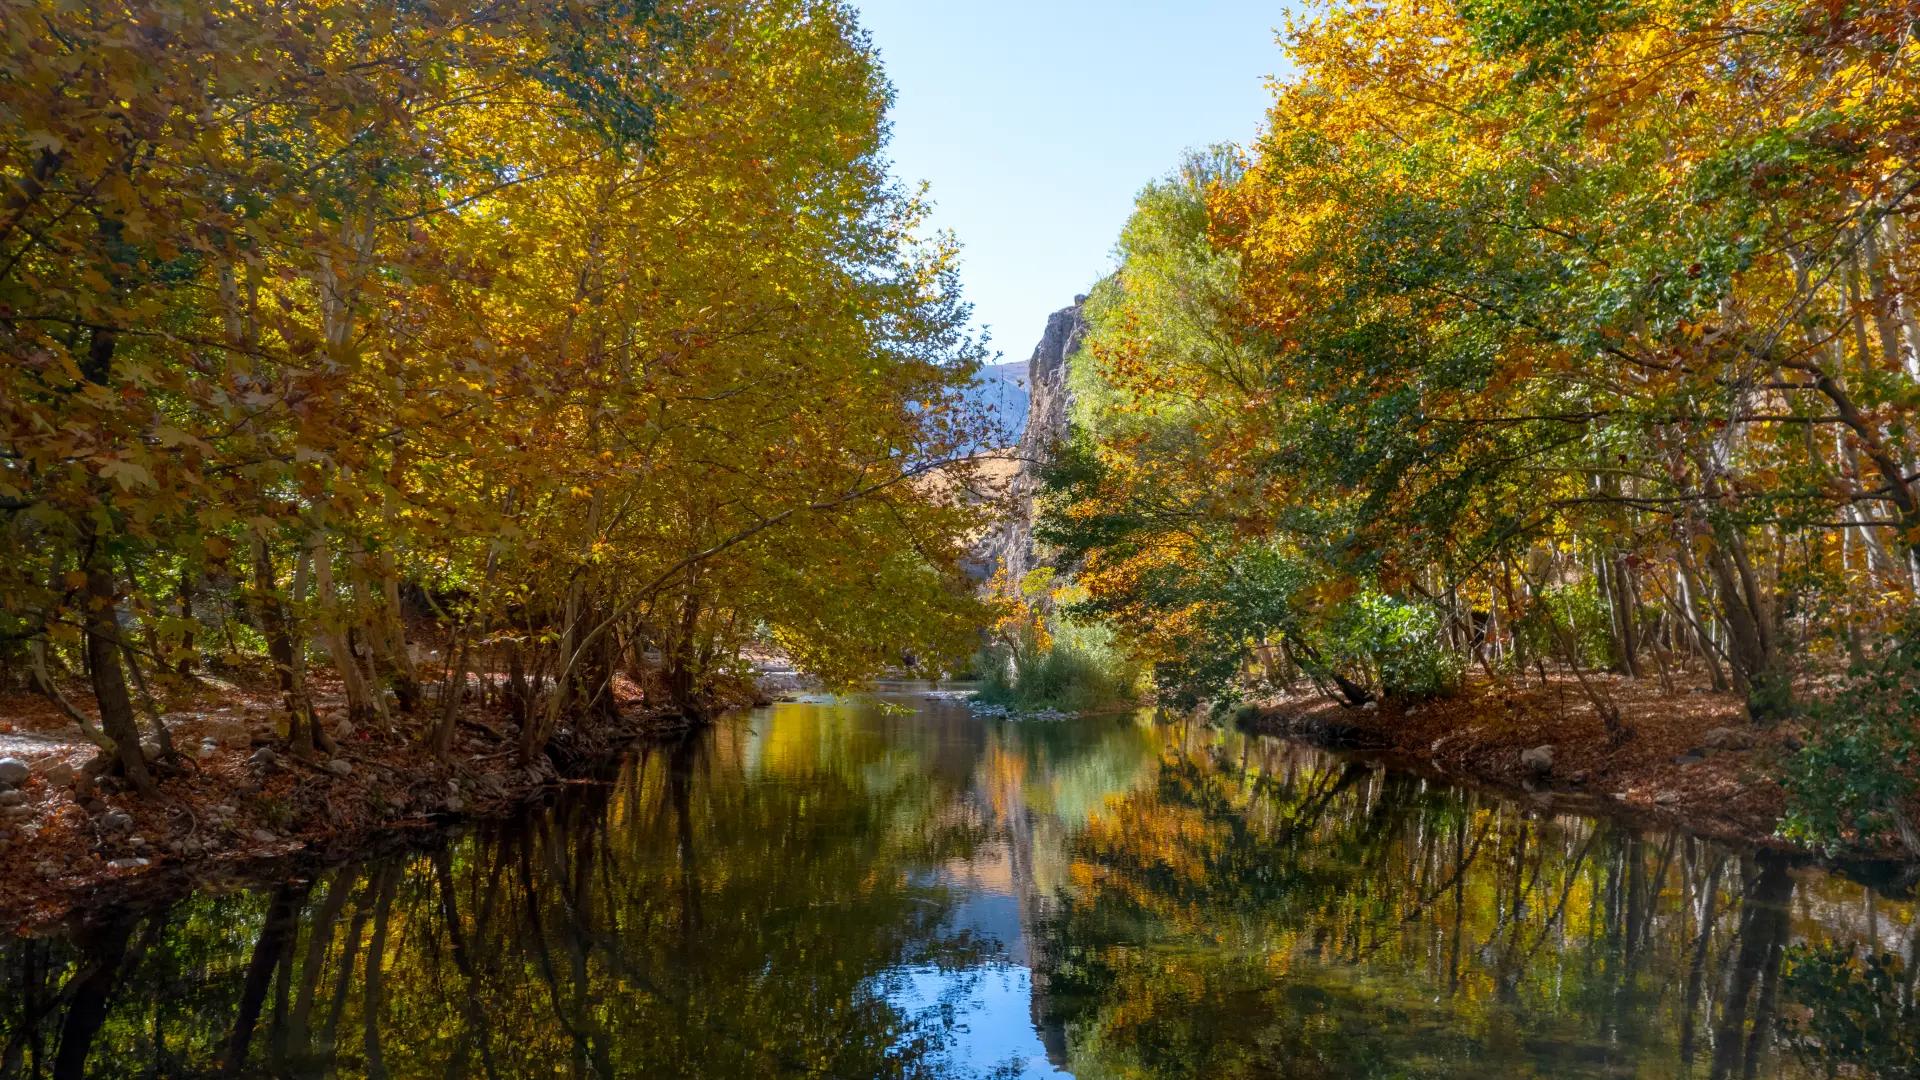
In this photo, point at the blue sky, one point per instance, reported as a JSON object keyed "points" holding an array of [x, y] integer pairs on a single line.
{"points": [[1037, 122]]}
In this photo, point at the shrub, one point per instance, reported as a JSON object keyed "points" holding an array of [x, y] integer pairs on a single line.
{"points": [[1398, 643], [1856, 775], [1080, 670]]}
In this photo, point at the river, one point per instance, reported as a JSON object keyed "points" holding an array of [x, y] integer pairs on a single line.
{"points": [[890, 886]]}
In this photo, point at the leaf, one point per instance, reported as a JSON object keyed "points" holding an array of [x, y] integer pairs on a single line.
{"points": [[127, 474]]}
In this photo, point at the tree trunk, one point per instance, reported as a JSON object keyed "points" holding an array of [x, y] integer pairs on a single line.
{"points": [[103, 661], [333, 632], [285, 648], [391, 638]]}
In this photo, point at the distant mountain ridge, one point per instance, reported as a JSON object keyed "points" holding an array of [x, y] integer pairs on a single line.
{"points": [[1000, 390]]}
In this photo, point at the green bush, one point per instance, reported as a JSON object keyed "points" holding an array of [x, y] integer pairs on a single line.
{"points": [[1080, 671], [1856, 775], [1399, 644]]}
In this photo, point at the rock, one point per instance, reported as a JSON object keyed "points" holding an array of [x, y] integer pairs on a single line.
{"points": [[1728, 738], [151, 749], [13, 771], [262, 836], [1538, 760], [264, 759], [137, 841], [207, 749], [343, 729], [117, 821], [340, 767], [1667, 798], [1371, 706], [1691, 757], [126, 864], [17, 813], [1011, 548], [59, 774], [12, 798]]}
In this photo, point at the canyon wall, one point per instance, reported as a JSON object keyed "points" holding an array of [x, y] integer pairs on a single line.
{"points": [[1011, 549]]}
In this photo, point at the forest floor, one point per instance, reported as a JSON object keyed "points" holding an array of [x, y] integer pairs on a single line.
{"points": [[1691, 757], [235, 797]]}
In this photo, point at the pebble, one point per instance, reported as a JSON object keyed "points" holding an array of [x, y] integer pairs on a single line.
{"points": [[262, 836], [11, 797], [127, 864], [264, 758], [59, 774], [17, 813], [208, 748], [13, 771], [117, 821], [340, 767]]}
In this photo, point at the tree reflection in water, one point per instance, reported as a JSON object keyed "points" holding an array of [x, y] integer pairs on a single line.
{"points": [[1264, 912], [768, 898]]}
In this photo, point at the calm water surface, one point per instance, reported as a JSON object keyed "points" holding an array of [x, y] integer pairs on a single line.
{"points": [[888, 886]]}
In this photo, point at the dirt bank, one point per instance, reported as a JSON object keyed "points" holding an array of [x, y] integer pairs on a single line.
{"points": [[233, 796], [1691, 758]]}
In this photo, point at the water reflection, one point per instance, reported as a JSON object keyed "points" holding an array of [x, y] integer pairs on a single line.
{"points": [[858, 889]]}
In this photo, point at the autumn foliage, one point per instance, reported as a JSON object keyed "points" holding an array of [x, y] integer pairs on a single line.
{"points": [[593, 330], [1579, 334]]}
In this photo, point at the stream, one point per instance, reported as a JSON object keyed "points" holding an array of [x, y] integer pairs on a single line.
{"points": [[888, 885]]}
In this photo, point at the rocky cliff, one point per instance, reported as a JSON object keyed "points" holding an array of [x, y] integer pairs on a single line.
{"points": [[1048, 403]]}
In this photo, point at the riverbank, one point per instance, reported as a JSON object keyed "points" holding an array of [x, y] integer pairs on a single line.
{"points": [[1691, 760], [235, 797]]}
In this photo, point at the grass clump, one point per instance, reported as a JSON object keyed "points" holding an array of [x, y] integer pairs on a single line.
{"points": [[1079, 670]]}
